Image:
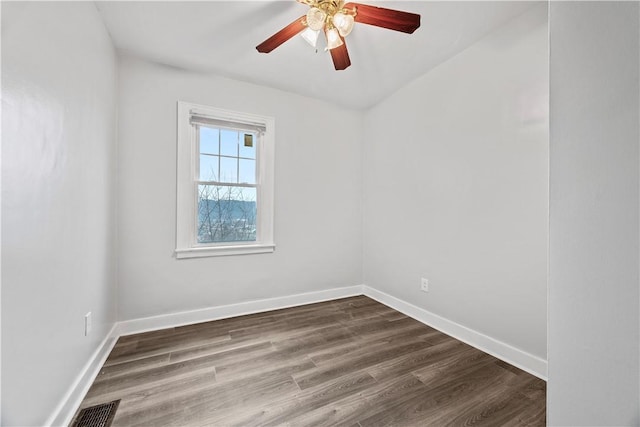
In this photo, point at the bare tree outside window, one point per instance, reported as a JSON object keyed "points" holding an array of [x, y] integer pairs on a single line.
{"points": [[226, 214]]}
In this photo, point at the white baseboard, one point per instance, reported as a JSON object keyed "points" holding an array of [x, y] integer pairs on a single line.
{"points": [[66, 409], [72, 400], [516, 357], [146, 324], [519, 358]]}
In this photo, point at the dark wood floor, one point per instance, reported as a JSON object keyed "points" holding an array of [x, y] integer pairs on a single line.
{"points": [[350, 362]]}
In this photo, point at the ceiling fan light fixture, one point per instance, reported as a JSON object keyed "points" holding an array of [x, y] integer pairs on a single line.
{"points": [[333, 39], [344, 23], [336, 18], [316, 18], [310, 36]]}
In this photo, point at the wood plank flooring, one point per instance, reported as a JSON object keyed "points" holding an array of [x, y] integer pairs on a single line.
{"points": [[351, 362]]}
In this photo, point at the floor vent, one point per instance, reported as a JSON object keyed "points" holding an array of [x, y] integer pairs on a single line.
{"points": [[97, 416]]}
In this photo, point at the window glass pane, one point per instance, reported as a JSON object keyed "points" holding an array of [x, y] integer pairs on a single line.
{"points": [[248, 143], [209, 140], [228, 142], [208, 168], [226, 214], [247, 171], [229, 169]]}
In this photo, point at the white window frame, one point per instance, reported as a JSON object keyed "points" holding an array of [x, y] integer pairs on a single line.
{"points": [[186, 197]]}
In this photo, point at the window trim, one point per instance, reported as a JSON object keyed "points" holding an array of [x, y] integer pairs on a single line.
{"points": [[186, 183]]}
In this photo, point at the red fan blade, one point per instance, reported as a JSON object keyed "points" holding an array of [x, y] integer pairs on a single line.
{"points": [[283, 35], [385, 18], [340, 56]]}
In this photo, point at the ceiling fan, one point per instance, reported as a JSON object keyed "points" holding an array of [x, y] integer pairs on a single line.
{"points": [[336, 18]]}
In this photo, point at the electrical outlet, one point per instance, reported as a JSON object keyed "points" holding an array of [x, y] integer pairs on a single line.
{"points": [[424, 285], [87, 324]]}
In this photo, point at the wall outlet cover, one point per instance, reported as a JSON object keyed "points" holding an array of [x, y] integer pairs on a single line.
{"points": [[87, 324]]}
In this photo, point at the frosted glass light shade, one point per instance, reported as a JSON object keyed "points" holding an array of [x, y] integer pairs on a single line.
{"points": [[310, 36], [344, 23], [333, 39], [316, 18]]}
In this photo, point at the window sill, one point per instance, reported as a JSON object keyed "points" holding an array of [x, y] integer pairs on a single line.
{"points": [[224, 250]]}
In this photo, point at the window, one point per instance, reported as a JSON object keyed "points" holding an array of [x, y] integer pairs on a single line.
{"points": [[224, 182]]}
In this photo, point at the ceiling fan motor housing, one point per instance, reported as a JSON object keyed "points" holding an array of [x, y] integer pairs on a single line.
{"points": [[330, 7]]}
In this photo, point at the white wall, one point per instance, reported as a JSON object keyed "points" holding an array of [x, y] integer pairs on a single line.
{"points": [[318, 215], [58, 153], [455, 187], [594, 171]]}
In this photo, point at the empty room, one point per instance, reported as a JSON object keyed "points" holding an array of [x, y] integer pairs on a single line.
{"points": [[319, 212]]}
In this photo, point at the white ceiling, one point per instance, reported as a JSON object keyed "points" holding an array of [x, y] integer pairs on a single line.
{"points": [[220, 37]]}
